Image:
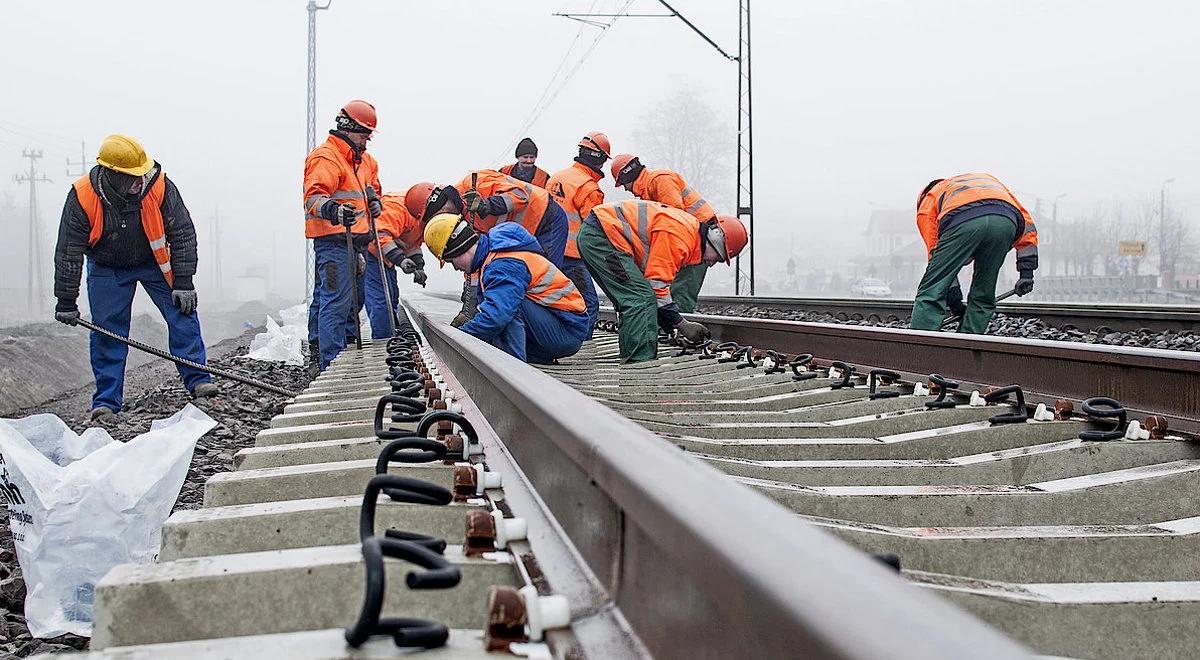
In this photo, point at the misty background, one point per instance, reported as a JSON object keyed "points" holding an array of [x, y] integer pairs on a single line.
{"points": [[1085, 109]]}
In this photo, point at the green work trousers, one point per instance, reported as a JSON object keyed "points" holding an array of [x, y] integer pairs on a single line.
{"points": [[986, 240], [628, 289], [685, 288]]}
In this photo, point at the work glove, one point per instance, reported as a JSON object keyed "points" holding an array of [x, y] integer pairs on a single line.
{"points": [[1025, 284], [419, 277], [407, 265], [460, 320], [474, 203], [344, 214], [374, 206], [70, 317], [184, 300], [362, 265], [954, 300], [694, 332]]}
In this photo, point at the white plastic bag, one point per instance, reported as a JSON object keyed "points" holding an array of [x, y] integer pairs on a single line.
{"points": [[282, 343], [81, 504]]}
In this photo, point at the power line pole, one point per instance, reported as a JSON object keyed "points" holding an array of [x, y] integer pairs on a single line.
{"points": [[216, 250], [311, 125], [82, 163], [35, 244]]}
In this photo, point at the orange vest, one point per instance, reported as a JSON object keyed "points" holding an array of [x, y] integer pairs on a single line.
{"points": [[540, 177], [956, 192], [660, 239], [330, 173], [527, 202], [667, 187], [576, 191], [152, 219], [548, 286], [397, 225]]}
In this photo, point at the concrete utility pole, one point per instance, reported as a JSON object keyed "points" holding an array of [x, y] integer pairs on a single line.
{"points": [[82, 163], [35, 244], [1166, 272], [216, 250], [310, 137]]}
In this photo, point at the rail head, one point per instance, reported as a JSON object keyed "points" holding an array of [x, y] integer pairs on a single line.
{"points": [[698, 565]]}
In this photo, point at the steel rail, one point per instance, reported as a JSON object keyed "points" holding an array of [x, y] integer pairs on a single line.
{"points": [[698, 565], [1145, 380], [1085, 316]]}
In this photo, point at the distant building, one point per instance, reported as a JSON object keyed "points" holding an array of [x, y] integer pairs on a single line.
{"points": [[894, 251]]}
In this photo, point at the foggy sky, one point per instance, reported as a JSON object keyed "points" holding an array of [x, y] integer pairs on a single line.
{"points": [[857, 104]]}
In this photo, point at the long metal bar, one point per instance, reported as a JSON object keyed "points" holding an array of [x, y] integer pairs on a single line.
{"points": [[1146, 381], [698, 565]]}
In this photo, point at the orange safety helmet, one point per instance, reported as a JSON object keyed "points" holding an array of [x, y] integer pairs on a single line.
{"points": [[361, 112], [620, 162], [417, 197], [597, 141], [731, 237]]}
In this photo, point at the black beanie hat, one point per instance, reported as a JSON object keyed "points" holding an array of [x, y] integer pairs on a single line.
{"points": [[461, 240], [526, 147]]}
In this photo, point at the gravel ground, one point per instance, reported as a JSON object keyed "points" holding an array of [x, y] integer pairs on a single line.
{"points": [[1001, 326], [152, 392]]}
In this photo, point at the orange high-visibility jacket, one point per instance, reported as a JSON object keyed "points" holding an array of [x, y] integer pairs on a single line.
{"points": [[540, 176], [331, 173], [949, 194], [548, 286], [576, 191], [667, 187], [661, 239], [526, 202], [397, 225], [152, 219]]}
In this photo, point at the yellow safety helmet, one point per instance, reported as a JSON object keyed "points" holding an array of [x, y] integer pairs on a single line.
{"points": [[448, 236], [123, 154]]}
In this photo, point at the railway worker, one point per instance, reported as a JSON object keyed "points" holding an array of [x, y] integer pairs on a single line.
{"points": [[635, 249], [400, 237], [130, 221], [337, 175], [527, 307], [526, 169], [488, 197], [577, 191], [667, 187], [970, 217]]}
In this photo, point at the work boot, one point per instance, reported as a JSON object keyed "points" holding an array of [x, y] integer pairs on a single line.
{"points": [[204, 390], [101, 411]]}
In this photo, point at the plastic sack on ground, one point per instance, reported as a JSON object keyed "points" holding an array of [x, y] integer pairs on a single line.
{"points": [[282, 343], [81, 504]]}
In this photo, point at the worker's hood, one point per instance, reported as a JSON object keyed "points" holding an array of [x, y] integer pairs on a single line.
{"points": [[504, 237]]}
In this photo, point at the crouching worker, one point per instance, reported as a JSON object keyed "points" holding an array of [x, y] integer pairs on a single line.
{"points": [[527, 307], [635, 249]]}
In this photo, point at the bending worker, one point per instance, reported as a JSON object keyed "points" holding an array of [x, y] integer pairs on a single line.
{"points": [[337, 175], [970, 217], [129, 220], [488, 197], [635, 249], [400, 237], [667, 187], [526, 169], [527, 307], [577, 191]]}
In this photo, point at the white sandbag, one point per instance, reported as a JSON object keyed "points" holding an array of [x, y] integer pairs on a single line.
{"points": [[282, 343], [81, 504]]}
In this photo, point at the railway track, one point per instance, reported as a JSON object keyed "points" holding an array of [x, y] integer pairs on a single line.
{"points": [[1083, 316], [576, 503]]}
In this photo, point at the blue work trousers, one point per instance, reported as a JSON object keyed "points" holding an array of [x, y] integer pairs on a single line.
{"points": [[577, 271], [537, 334], [110, 297], [377, 309], [336, 309]]}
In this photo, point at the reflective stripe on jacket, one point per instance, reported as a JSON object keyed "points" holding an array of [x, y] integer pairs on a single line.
{"points": [[576, 191], [548, 286], [946, 197], [540, 176], [525, 202], [152, 219], [397, 225], [667, 187], [330, 173], [660, 239]]}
